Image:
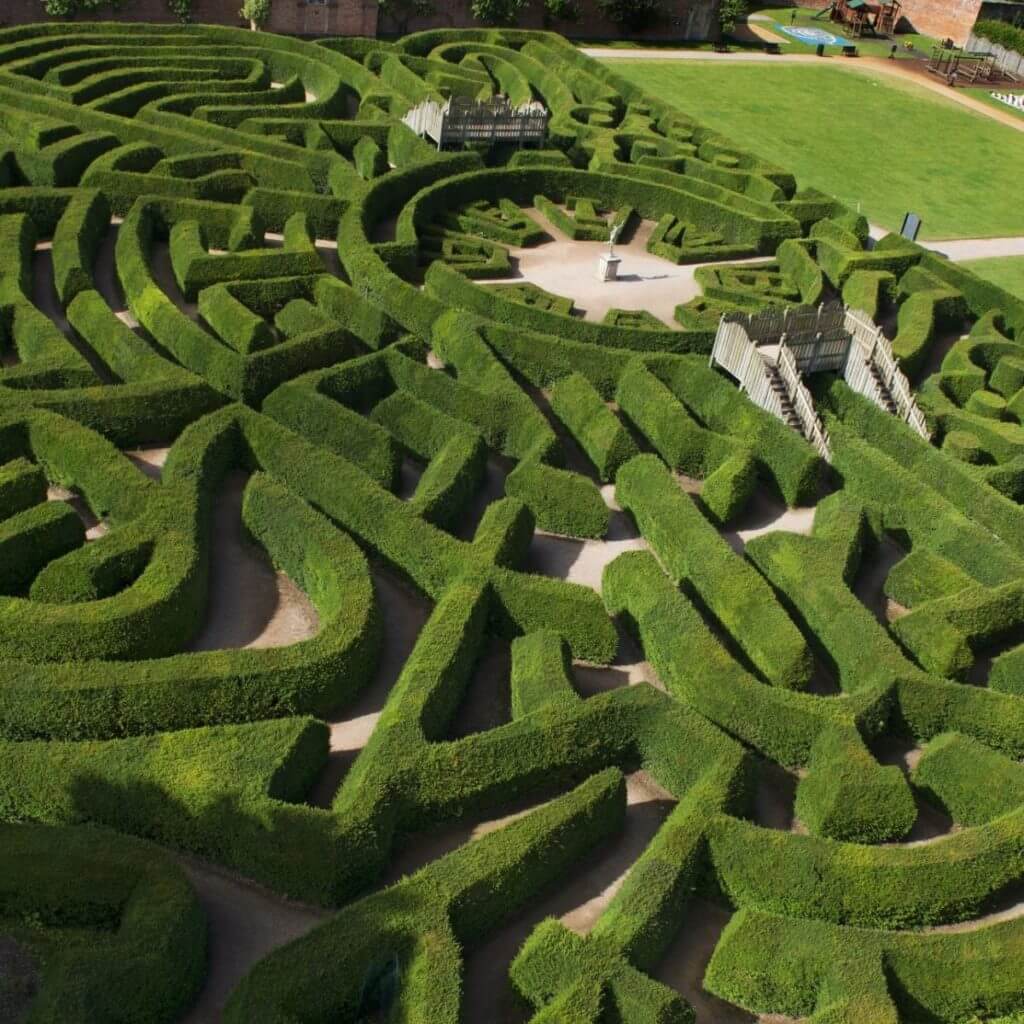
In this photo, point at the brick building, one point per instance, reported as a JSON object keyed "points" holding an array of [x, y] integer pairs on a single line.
{"points": [[952, 19]]}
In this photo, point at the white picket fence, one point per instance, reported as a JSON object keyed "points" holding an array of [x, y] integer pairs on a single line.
{"points": [[1008, 60], [460, 121], [803, 405], [833, 338], [872, 351], [737, 354]]}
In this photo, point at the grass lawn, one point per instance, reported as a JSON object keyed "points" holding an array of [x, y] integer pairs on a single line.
{"points": [[1007, 272], [891, 146]]}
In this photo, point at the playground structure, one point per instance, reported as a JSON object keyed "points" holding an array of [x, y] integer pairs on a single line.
{"points": [[968, 68], [865, 17]]}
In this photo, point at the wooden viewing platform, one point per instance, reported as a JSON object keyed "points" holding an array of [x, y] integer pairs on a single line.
{"points": [[460, 121], [768, 352]]}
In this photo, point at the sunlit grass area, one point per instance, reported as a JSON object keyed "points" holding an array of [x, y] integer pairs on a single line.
{"points": [[888, 146]]}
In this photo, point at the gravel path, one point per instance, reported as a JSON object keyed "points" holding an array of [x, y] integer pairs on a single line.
{"points": [[577, 900], [646, 282], [980, 248]]}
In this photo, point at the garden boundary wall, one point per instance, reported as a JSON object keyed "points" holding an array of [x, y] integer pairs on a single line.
{"points": [[683, 19], [1009, 60], [292, 17]]}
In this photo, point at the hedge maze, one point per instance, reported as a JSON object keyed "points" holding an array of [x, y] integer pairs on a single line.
{"points": [[225, 249]]}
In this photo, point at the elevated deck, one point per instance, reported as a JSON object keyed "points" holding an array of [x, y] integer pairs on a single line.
{"points": [[460, 121], [768, 352]]}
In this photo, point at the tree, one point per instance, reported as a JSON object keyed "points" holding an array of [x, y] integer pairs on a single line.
{"points": [[256, 12], [498, 12], [181, 9], [561, 10], [401, 11], [730, 12], [69, 8], [633, 15]]}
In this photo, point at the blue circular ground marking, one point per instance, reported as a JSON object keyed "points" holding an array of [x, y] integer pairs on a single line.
{"points": [[812, 36]]}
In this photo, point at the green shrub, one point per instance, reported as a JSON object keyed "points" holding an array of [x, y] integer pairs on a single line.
{"points": [[869, 291], [114, 921], [972, 782], [1006, 35], [561, 502], [690, 550], [607, 443]]}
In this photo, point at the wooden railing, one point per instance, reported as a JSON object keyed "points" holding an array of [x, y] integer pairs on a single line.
{"points": [[803, 404], [739, 357], [809, 340], [872, 350], [736, 353], [816, 335], [461, 121]]}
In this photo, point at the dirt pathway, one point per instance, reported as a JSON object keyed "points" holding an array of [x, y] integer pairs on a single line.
{"points": [[45, 299], [869, 584], [94, 528], [245, 924], [980, 248], [250, 605], [403, 613], [683, 966], [766, 514], [577, 899], [646, 282], [149, 461]]}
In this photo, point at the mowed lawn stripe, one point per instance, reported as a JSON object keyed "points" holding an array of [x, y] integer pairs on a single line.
{"points": [[1006, 271], [891, 146]]}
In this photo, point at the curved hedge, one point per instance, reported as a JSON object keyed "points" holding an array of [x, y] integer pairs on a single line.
{"points": [[229, 247]]}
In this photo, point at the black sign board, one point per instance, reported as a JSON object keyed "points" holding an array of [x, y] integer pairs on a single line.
{"points": [[911, 226]]}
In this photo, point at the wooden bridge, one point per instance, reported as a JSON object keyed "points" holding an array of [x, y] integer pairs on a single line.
{"points": [[768, 352]]}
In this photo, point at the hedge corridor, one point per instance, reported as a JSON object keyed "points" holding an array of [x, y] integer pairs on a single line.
{"points": [[225, 261]]}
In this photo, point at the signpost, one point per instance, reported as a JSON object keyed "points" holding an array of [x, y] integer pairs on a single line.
{"points": [[911, 226]]}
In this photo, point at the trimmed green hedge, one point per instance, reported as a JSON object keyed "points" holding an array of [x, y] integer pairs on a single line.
{"points": [[562, 502], [112, 920], [689, 548], [607, 443]]}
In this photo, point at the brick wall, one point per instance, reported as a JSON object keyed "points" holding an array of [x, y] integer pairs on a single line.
{"points": [[943, 18], [685, 19], [337, 17]]}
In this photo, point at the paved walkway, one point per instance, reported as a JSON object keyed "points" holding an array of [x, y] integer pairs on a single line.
{"points": [[967, 248], [979, 248], [893, 68]]}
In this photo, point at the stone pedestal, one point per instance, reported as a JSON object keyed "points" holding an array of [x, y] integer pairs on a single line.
{"points": [[608, 268]]}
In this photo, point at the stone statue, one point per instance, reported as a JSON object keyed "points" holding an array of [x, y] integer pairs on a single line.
{"points": [[613, 237]]}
